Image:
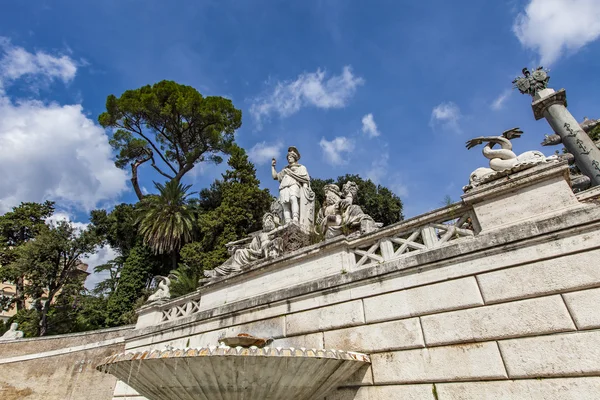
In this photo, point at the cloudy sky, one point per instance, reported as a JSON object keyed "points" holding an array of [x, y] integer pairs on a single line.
{"points": [[386, 89]]}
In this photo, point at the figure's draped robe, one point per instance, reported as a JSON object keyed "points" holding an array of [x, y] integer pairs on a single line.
{"points": [[294, 180]]}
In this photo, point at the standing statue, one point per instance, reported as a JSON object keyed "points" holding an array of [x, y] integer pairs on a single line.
{"points": [[531, 83], [504, 159], [339, 215], [295, 194], [12, 333], [163, 292], [263, 245]]}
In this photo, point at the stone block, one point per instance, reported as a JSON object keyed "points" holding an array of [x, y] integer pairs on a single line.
{"points": [[311, 341], [385, 336], [520, 318], [439, 364], [555, 275], [560, 355], [444, 296], [526, 389], [398, 392], [325, 318], [583, 306]]}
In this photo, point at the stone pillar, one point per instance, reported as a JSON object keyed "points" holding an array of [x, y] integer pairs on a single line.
{"points": [[552, 105]]}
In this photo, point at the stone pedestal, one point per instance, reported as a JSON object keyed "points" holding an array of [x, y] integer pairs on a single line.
{"points": [[553, 106], [539, 190]]}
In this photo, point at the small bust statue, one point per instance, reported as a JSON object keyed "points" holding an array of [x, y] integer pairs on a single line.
{"points": [[12, 333]]}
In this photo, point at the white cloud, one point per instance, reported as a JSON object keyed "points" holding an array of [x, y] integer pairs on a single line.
{"points": [[51, 151], [380, 174], [261, 153], [65, 216], [369, 126], [553, 27], [498, 103], [446, 114], [102, 256], [334, 150], [309, 89], [16, 62]]}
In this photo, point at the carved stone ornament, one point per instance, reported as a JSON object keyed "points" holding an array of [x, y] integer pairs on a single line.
{"points": [[503, 161], [532, 82], [163, 292]]}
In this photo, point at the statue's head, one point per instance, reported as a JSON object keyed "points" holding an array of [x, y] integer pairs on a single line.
{"points": [[14, 326], [269, 222], [351, 188], [293, 155], [332, 194], [525, 72]]}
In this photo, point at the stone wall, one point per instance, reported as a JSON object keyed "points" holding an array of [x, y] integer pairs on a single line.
{"points": [[59, 367], [507, 313]]}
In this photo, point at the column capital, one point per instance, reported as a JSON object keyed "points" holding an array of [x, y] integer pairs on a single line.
{"points": [[545, 98]]}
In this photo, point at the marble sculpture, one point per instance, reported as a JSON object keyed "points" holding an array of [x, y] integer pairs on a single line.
{"points": [[502, 160], [163, 292], [12, 333]]}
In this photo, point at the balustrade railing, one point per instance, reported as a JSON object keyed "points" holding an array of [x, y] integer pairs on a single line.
{"points": [[426, 232]]}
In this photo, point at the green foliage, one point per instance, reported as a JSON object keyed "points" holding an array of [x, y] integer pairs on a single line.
{"points": [[376, 200], [49, 263], [166, 222], [135, 277], [231, 209], [117, 228], [171, 122], [184, 280], [594, 134], [28, 321], [18, 227]]}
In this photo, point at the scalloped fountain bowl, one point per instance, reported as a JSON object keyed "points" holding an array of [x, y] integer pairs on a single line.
{"points": [[235, 373]]}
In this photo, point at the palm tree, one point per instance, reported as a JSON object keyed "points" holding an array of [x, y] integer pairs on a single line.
{"points": [[166, 221]]}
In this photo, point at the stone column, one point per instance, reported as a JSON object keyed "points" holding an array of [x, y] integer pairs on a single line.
{"points": [[552, 105]]}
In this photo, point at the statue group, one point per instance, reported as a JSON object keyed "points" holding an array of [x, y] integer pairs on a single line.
{"points": [[294, 211]]}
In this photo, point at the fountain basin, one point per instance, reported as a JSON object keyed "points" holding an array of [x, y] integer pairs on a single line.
{"points": [[235, 373]]}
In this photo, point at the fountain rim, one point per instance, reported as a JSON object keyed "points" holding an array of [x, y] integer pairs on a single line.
{"points": [[226, 351]]}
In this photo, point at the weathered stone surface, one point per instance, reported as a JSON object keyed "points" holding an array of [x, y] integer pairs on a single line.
{"points": [[535, 389], [397, 392], [561, 355], [575, 271], [331, 317], [439, 364], [519, 318], [394, 335], [584, 307], [311, 341], [451, 295]]}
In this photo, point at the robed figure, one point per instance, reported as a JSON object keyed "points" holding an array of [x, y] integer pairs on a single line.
{"points": [[295, 195]]}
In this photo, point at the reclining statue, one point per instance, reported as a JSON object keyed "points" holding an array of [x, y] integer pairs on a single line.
{"points": [[263, 245], [340, 216]]}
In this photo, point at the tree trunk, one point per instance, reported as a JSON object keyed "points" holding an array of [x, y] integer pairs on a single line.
{"points": [[43, 327], [19, 294], [134, 178]]}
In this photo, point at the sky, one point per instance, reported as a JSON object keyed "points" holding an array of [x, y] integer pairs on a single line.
{"points": [[390, 90]]}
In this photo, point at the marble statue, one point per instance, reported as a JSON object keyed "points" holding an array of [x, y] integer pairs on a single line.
{"points": [[12, 333], [163, 292], [532, 82], [295, 195], [263, 245], [502, 160], [339, 215]]}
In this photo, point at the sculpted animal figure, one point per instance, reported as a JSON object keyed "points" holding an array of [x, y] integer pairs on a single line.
{"points": [[163, 292], [504, 158]]}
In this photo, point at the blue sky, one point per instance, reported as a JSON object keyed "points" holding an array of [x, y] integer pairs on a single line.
{"points": [[390, 90]]}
